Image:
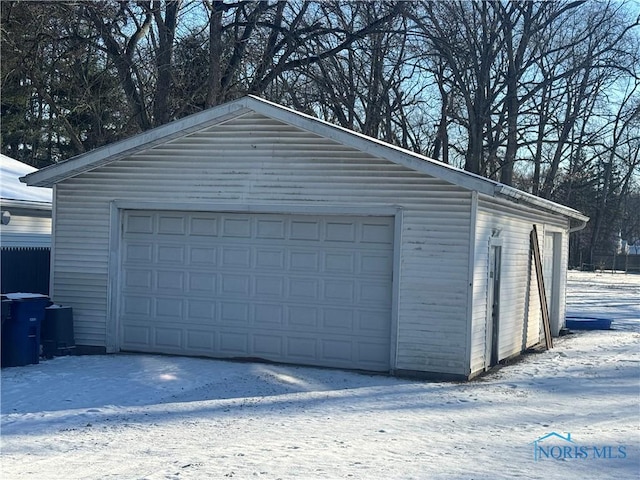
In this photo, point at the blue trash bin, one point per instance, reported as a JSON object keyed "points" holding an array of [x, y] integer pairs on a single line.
{"points": [[21, 329]]}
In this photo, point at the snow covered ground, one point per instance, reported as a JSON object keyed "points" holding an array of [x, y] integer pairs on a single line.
{"points": [[160, 417]]}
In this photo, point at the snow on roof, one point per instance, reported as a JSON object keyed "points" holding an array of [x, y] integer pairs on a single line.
{"points": [[12, 189]]}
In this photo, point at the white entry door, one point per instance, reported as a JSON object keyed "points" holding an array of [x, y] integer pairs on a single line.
{"points": [[312, 290]]}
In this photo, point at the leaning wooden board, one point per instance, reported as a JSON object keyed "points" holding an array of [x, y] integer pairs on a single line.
{"points": [[541, 291]]}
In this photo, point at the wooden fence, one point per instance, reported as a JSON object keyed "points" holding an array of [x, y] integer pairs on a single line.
{"points": [[620, 263]]}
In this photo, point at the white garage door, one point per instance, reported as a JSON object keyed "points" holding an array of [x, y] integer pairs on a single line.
{"points": [[289, 288]]}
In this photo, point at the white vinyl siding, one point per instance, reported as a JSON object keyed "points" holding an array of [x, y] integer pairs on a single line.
{"points": [[260, 162], [26, 229], [520, 314]]}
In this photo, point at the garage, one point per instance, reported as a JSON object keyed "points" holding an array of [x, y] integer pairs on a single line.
{"points": [[304, 289], [253, 231]]}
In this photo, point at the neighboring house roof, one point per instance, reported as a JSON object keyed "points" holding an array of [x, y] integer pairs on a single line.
{"points": [[53, 174], [15, 193]]}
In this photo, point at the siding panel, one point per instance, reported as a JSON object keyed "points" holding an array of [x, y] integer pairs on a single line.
{"points": [[26, 229], [520, 314], [258, 161]]}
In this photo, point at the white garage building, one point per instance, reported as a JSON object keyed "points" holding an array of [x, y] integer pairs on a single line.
{"points": [[253, 231]]}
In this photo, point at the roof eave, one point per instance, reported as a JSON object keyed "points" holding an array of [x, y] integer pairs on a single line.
{"points": [[523, 197], [26, 204]]}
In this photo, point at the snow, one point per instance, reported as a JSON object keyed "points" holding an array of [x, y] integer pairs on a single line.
{"points": [[23, 296], [12, 189], [161, 417]]}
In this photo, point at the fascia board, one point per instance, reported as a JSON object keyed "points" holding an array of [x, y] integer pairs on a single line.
{"points": [[516, 195]]}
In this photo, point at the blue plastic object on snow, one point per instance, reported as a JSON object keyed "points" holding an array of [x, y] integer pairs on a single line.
{"points": [[21, 329], [588, 323]]}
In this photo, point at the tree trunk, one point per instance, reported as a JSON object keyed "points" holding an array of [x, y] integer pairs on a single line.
{"points": [[473, 160], [123, 59], [214, 91], [164, 59]]}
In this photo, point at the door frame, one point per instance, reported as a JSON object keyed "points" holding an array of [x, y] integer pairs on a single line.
{"points": [[492, 319], [118, 207], [553, 296]]}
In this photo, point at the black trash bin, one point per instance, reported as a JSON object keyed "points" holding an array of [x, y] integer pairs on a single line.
{"points": [[21, 329], [57, 331]]}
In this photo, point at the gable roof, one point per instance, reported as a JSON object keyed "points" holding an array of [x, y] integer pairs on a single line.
{"points": [[14, 193], [217, 115]]}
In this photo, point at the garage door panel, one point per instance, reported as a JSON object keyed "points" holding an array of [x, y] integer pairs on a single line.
{"points": [[202, 283], [170, 280], [203, 226], [138, 278], [304, 230], [339, 262], [205, 257], [374, 294], [168, 308], [340, 231], [234, 313], [139, 252], [301, 289], [171, 225], [304, 261], [168, 338], [302, 317], [337, 320], [136, 335], [371, 323], [336, 350], [233, 257], [234, 285], [234, 343], [269, 286], [339, 291], [269, 259], [266, 315], [376, 263], [137, 305], [170, 254], [268, 346], [371, 352], [139, 223], [236, 227], [270, 229], [302, 349], [200, 341], [201, 310], [377, 233]]}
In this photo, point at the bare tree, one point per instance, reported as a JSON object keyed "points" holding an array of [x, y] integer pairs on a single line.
{"points": [[253, 44], [466, 39], [372, 87], [58, 92]]}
